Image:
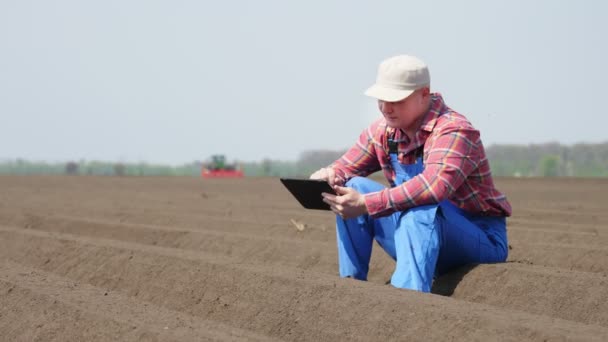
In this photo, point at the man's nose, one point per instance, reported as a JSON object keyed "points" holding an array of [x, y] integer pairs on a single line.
{"points": [[386, 107]]}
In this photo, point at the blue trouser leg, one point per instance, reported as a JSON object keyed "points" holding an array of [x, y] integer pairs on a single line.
{"points": [[417, 241], [410, 238], [424, 241], [467, 239], [355, 236]]}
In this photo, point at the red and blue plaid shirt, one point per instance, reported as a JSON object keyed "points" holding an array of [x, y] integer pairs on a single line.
{"points": [[455, 165]]}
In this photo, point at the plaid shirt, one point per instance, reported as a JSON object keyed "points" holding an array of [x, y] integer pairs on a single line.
{"points": [[455, 165]]}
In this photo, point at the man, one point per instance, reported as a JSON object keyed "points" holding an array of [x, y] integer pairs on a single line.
{"points": [[442, 210]]}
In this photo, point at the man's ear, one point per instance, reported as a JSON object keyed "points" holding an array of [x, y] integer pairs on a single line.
{"points": [[425, 95], [426, 91]]}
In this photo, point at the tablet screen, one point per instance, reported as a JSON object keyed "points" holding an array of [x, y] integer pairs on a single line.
{"points": [[308, 192]]}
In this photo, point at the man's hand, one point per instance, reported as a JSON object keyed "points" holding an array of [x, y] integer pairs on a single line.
{"points": [[347, 204], [327, 174]]}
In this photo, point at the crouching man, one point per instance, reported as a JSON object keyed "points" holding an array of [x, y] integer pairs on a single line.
{"points": [[442, 209]]}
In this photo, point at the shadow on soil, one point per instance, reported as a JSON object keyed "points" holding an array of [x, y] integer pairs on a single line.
{"points": [[445, 284]]}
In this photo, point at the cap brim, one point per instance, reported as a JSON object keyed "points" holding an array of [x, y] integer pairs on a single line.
{"points": [[387, 94]]}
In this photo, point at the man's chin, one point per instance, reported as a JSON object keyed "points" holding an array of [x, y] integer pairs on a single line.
{"points": [[392, 124]]}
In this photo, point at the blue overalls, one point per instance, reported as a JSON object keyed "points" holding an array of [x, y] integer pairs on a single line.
{"points": [[424, 241]]}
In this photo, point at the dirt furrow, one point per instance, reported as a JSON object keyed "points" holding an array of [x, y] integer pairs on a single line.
{"points": [[134, 320], [315, 247], [315, 227], [557, 227], [227, 252], [217, 289], [29, 316], [241, 247], [571, 295], [565, 256]]}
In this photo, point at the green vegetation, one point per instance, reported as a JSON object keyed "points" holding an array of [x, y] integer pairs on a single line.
{"points": [[542, 160], [549, 160], [98, 168], [549, 166]]}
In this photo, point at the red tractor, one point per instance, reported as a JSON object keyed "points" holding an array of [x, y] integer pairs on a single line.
{"points": [[218, 168]]}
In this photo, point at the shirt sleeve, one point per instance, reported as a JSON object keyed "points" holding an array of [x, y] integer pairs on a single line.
{"points": [[451, 158], [360, 159]]}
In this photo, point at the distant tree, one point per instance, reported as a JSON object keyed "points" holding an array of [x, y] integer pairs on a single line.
{"points": [[119, 169], [266, 167], [549, 166], [71, 168]]}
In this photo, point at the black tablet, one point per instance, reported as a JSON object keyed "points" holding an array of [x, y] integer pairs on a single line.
{"points": [[308, 192]]}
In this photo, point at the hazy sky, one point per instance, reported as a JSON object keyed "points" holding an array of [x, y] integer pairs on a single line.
{"points": [[175, 81]]}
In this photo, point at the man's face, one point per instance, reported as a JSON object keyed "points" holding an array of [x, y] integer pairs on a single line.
{"points": [[406, 114]]}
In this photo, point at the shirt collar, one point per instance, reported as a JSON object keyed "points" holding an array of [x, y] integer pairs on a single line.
{"points": [[430, 118]]}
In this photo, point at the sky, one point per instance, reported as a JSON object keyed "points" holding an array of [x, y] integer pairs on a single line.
{"points": [[177, 81]]}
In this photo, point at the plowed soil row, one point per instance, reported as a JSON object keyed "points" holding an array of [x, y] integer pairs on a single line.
{"points": [[102, 258]]}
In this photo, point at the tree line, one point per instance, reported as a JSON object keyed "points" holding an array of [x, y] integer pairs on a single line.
{"points": [[97, 168], [535, 160]]}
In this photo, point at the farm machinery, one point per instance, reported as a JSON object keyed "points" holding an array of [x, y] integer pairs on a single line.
{"points": [[218, 168]]}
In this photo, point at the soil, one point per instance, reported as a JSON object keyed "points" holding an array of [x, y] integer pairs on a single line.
{"points": [[186, 259]]}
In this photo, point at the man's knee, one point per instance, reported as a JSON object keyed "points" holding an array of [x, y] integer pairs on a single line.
{"points": [[421, 216], [364, 185], [355, 182]]}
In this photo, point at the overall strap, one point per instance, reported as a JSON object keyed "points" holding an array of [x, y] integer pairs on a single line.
{"points": [[393, 145], [390, 138]]}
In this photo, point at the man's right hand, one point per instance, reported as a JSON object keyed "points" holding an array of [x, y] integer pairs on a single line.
{"points": [[328, 174]]}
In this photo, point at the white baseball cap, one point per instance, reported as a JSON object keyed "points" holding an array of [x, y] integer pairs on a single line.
{"points": [[398, 77]]}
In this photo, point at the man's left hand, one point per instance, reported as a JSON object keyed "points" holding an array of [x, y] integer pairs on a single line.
{"points": [[348, 202]]}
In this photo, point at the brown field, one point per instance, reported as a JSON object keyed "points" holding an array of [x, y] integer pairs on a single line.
{"points": [[183, 259]]}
